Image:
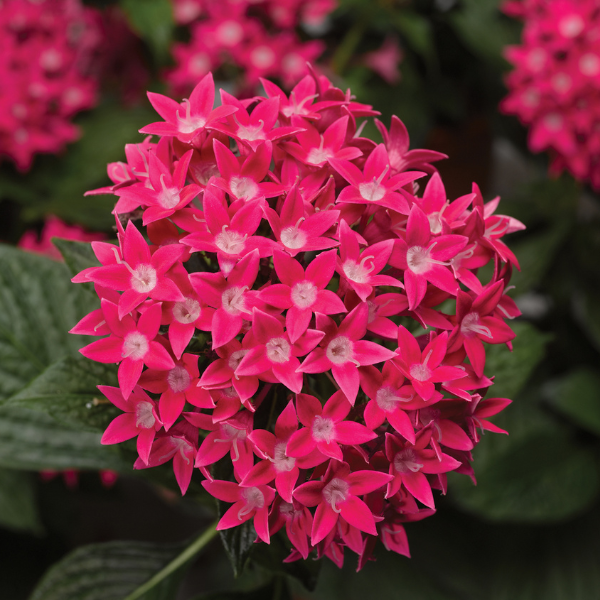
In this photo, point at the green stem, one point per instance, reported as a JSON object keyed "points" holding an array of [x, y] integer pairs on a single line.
{"points": [[193, 549]]}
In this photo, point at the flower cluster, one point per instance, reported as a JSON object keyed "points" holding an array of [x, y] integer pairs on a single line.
{"points": [[46, 50], [301, 318], [555, 87], [259, 37]]}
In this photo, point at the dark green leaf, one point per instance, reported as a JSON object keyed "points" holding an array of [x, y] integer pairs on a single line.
{"points": [[18, 507], [577, 396], [109, 571], [78, 256], [416, 29], [271, 556], [67, 391], [512, 369], [587, 312], [238, 542], [38, 306], [152, 20], [33, 440]]}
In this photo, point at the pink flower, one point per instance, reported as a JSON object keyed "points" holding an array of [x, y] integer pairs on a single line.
{"points": [[325, 427], [343, 349], [337, 497]]}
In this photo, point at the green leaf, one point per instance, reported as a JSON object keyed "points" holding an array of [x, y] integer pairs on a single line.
{"points": [[271, 556], [18, 507], [38, 306], [153, 21], [237, 541], [78, 256], [416, 29], [577, 396], [33, 440], [587, 312], [543, 478], [67, 391], [109, 571], [513, 369]]}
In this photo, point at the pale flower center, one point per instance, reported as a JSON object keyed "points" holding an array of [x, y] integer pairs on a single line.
{"points": [[293, 237], [178, 379], [471, 326], [317, 156], [232, 300], [359, 272], [144, 279], [372, 191], [304, 294], [187, 312], [187, 123], [406, 461], [254, 500], [418, 259], [168, 197], [135, 346], [571, 26], [420, 372], [435, 222], [236, 358], [144, 415], [387, 400], [589, 64], [230, 242], [262, 57], [281, 462], [336, 492], [339, 350], [230, 33], [243, 188], [323, 429], [278, 350]]}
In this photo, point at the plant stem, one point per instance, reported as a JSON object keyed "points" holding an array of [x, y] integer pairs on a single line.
{"points": [[205, 537]]}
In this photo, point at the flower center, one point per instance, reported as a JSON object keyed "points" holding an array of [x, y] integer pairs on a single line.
{"points": [[323, 429], [135, 346], [262, 57], [243, 188], [471, 326], [293, 237], [230, 242], [232, 300], [187, 312], [372, 191], [250, 132], [229, 33], [254, 500], [236, 358], [168, 197], [571, 26], [281, 462], [359, 272], [420, 372], [387, 400], [144, 415], [187, 123], [278, 350], [406, 461], [304, 294], [144, 279], [339, 350], [178, 379], [317, 156], [417, 258], [336, 492]]}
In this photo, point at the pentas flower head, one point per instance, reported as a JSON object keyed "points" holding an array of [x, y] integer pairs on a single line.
{"points": [[261, 316], [554, 87]]}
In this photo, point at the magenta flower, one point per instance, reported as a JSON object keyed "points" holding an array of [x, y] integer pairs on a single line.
{"points": [[303, 293], [191, 117], [131, 344], [337, 496], [245, 182], [409, 464], [424, 259], [375, 187], [360, 270], [139, 419], [274, 352], [178, 445], [325, 427], [139, 274], [230, 238], [298, 524], [176, 386], [343, 349], [297, 233], [480, 410], [316, 150], [424, 369], [248, 502]]}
